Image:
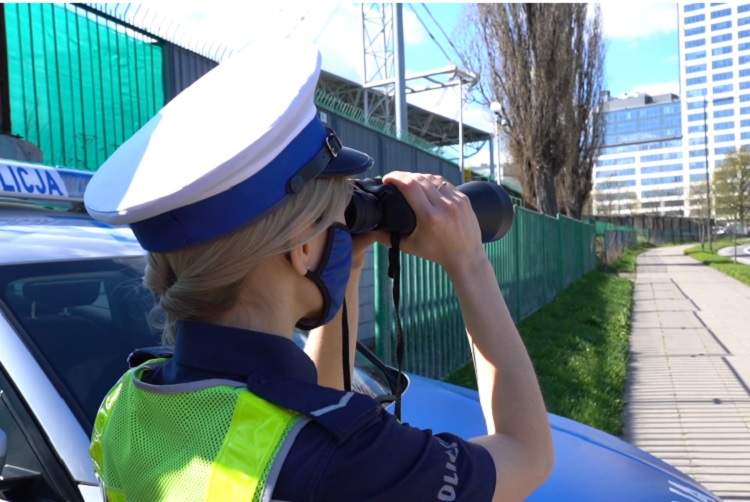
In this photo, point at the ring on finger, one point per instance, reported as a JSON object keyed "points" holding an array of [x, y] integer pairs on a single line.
{"points": [[442, 184]]}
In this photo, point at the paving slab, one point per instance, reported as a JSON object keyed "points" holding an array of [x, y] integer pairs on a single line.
{"points": [[688, 393]]}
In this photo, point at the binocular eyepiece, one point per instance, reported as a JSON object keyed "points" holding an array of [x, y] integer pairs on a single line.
{"points": [[380, 206]]}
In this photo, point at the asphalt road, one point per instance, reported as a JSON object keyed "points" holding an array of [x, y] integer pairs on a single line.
{"points": [[743, 253]]}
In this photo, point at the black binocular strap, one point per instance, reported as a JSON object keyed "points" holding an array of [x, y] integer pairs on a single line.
{"points": [[394, 272], [345, 350]]}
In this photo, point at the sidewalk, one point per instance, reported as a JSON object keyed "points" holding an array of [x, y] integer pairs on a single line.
{"points": [[688, 397]]}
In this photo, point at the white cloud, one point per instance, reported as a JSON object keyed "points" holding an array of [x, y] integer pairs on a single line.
{"points": [[659, 88], [631, 20]]}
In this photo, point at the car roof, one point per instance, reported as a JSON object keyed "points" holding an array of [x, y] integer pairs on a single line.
{"points": [[32, 234]]}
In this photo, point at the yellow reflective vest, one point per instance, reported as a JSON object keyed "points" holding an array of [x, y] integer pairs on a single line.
{"points": [[199, 441]]}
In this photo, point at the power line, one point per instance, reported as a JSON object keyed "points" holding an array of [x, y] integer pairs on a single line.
{"points": [[447, 38], [429, 32]]}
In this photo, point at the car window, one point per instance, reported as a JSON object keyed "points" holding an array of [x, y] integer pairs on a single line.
{"points": [[81, 320]]}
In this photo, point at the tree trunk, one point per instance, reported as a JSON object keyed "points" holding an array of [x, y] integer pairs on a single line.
{"points": [[544, 184]]}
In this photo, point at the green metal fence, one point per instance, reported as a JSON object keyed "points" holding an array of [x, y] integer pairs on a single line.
{"points": [[79, 85], [538, 258]]}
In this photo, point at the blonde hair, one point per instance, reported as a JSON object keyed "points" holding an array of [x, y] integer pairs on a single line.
{"points": [[200, 282]]}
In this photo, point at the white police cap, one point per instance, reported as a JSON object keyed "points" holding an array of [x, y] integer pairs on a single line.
{"points": [[224, 152]]}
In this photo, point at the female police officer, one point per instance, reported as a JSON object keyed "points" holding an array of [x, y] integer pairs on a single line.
{"points": [[237, 192]]}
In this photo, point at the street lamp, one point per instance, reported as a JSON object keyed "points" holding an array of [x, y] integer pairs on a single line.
{"points": [[500, 120], [709, 230]]}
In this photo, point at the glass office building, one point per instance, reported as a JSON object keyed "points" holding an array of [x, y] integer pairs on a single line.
{"points": [[714, 118], [714, 82], [641, 167]]}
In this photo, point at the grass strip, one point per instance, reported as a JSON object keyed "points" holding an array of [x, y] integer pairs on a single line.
{"points": [[579, 346], [723, 264]]}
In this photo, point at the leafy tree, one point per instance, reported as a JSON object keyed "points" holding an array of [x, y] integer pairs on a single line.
{"points": [[544, 64], [732, 185]]}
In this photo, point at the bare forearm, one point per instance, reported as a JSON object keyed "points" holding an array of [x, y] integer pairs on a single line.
{"points": [[509, 392]]}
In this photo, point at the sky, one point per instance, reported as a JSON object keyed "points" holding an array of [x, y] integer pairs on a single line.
{"points": [[642, 43]]}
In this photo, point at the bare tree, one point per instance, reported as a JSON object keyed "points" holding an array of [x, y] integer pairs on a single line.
{"points": [[543, 64], [731, 185], [585, 124]]}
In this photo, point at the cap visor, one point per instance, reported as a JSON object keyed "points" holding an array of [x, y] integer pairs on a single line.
{"points": [[348, 162]]}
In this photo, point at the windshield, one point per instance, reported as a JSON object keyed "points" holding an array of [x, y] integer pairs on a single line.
{"points": [[82, 320]]}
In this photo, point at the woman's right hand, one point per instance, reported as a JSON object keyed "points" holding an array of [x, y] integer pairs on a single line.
{"points": [[447, 230]]}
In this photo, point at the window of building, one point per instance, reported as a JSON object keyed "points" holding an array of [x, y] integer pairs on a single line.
{"points": [[743, 8], [745, 110], [743, 21], [745, 72], [698, 177], [689, 32], [721, 76], [721, 63], [695, 104], [611, 173], [692, 117], [661, 169], [745, 123], [744, 85], [695, 43], [721, 50], [661, 181], [695, 68], [618, 149], [743, 46], [661, 156], [696, 128], [698, 153], [723, 138], [691, 93], [615, 162], [696, 80], [670, 192], [695, 55], [693, 6], [743, 34], [724, 101], [723, 88], [720, 126], [745, 135], [723, 150], [721, 13], [743, 59], [744, 97], [695, 19], [609, 185], [721, 38], [723, 113], [698, 165], [721, 26], [700, 140]]}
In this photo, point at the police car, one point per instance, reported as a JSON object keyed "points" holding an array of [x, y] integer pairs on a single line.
{"points": [[72, 308]]}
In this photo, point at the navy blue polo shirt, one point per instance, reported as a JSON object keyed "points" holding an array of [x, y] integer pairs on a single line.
{"points": [[358, 452]]}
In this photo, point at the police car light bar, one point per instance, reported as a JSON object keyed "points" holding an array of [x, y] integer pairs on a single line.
{"points": [[24, 180]]}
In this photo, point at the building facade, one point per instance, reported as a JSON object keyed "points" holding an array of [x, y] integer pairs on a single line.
{"points": [[714, 82], [641, 166], [714, 111]]}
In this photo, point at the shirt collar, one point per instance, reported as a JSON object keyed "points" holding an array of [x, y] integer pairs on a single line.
{"points": [[241, 353]]}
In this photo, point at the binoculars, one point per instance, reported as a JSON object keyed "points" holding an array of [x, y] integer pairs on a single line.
{"points": [[380, 206]]}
